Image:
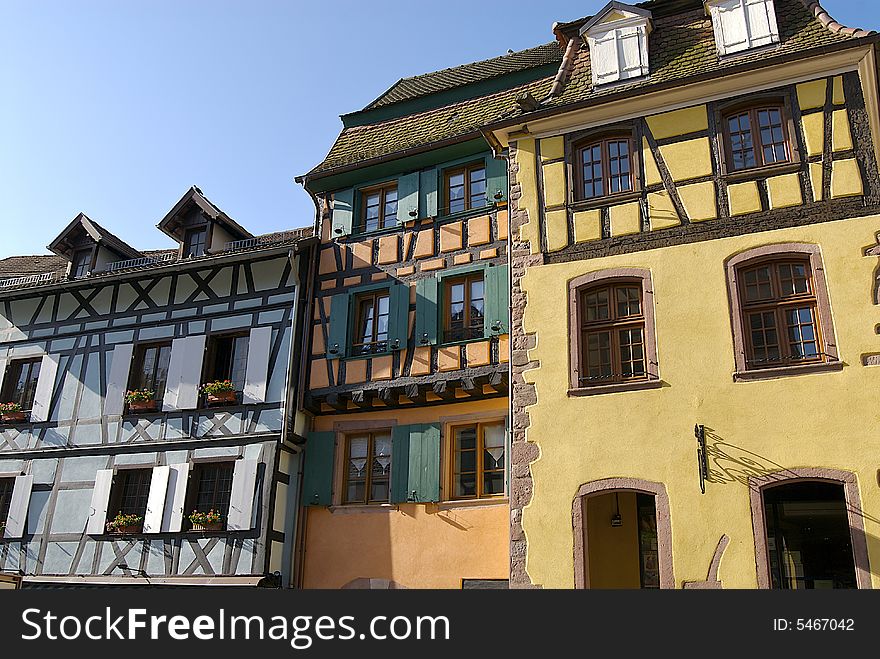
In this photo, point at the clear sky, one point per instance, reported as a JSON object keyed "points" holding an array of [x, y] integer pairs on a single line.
{"points": [[115, 108]]}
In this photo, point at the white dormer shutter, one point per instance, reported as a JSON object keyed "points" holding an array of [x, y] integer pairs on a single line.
{"points": [[630, 42], [603, 57], [743, 24]]}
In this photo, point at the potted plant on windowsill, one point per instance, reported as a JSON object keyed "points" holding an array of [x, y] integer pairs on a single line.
{"points": [[125, 524], [12, 413], [140, 400], [209, 521], [219, 392]]}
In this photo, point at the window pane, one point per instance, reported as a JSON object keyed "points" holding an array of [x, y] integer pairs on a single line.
{"points": [[618, 164], [493, 459], [628, 302], [801, 333], [465, 463], [741, 147], [765, 343], [381, 468], [598, 355], [389, 214], [478, 187], [596, 305], [238, 366], [758, 284], [591, 163], [357, 469], [632, 356], [772, 136], [793, 279], [455, 192], [371, 211]]}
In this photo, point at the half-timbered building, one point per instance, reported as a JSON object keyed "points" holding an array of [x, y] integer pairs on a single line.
{"points": [[406, 466], [149, 432]]}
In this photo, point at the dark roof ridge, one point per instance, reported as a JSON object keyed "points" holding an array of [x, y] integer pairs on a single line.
{"points": [[820, 14]]}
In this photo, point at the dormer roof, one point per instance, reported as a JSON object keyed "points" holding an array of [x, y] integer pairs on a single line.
{"points": [[194, 200], [85, 232], [614, 12]]}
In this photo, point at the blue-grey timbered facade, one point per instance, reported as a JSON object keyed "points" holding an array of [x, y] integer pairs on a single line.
{"points": [[73, 343]]}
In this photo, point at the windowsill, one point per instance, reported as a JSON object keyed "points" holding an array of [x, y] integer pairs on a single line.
{"points": [[370, 356], [763, 171], [786, 371], [461, 342], [607, 200], [470, 212], [354, 509], [595, 390], [473, 503]]}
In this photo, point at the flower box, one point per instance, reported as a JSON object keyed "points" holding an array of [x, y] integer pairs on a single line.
{"points": [[14, 417], [142, 406], [222, 397], [207, 526], [126, 530]]}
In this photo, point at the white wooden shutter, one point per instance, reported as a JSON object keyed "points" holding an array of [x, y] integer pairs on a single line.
{"points": [[120, 365], [729, 23], [603, 57], [18, 506], [175, 498], [191, 373], [175, 366], [629, 44], [761, 17], [241, 504], [45, 388], [100, 501], [156, 500], [257, 371]]}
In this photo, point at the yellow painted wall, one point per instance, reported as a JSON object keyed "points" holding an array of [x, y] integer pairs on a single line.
{"points": [[415, 545], [820, 420]]}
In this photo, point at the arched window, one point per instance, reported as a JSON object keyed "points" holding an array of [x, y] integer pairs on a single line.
{"points": [[612, 322], [781, 314]]}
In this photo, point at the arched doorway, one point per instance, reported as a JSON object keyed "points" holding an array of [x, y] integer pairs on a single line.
{"points": [[622, 535], [809, 533]]}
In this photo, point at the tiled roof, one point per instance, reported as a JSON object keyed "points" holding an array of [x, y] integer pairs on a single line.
{"points": [[430, 83], [682, 45], [116, 244], [360, 143]]}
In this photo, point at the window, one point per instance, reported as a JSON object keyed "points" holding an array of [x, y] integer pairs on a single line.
{"points": [[478, 460], [371, 332], [612, 333], [150, 370], [81, 263], [743, 24], [211, 488], [613, 346], [781, 312], [227, 359], [618, 43], [604, 167], [195, 241], [464, 307], [20, 383], [466, 188], [368, 468], [6, 487], [130, 491], [756, 137], [379, 207]]}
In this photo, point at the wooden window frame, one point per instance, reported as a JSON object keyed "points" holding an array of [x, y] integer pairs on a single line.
{"points": [[14, 367], [355, 343], [752, 106], [91, 253], [825, 337], [382, 189], [601, 278], [368, 480], [604, 138], [480, 471], [210, 361], [114, 501], [137, 366], [467, 279], [466, 170], [187, 232], [192, 490]]}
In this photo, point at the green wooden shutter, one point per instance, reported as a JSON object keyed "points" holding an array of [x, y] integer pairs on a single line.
{"points": [[318, 469], [400, 464], [427, 313], [408, 197], [337, 335], [424, 462], [497, 301], [428, 193], [398, 316], [496, 179], [343, 211]]}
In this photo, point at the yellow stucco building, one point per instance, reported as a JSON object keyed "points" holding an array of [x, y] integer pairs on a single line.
{"points": [[695, 213]]}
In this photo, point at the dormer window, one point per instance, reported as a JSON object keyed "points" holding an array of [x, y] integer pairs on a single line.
{"points": [[195, 241], [743, 24], [81, 263], [618, 40]]}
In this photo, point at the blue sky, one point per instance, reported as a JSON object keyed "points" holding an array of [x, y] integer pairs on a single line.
{"points": [[115, 108]]}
